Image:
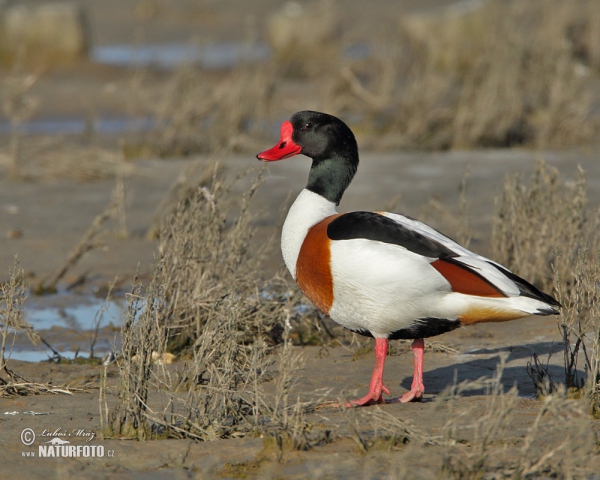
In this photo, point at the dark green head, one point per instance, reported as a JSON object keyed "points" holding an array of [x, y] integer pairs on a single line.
{"points": [[330, 144]]}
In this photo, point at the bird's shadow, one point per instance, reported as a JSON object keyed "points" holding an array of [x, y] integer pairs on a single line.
{"points": [[438, 379]]}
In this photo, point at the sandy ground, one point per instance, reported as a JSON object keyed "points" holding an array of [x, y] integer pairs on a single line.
{"points": [[77, 417], [52, 217]]}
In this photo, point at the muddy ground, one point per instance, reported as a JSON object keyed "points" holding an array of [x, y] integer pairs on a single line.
{"points": [[43, 221]]}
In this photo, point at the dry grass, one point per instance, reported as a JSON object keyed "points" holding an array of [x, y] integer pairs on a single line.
{"points": [[498, 435], [285, 426], [202, 270], [556, 445], [141, 336], [48, 159], [579, 324], [13, 294], [204, 248], [304, 38], [199, 114], [376, 429], [505, 73], [501, 74], [81, 164], [206, 303], [543, 223], [217, 393], [18, 105], [539, 374], [546, 232]]}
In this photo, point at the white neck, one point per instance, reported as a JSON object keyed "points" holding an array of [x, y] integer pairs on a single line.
{"points": [[308, 210]]}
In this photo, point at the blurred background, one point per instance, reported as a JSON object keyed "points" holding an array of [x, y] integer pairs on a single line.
{"points": [[180, 77]]}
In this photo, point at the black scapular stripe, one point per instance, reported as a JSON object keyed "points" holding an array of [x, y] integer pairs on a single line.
{"points": [[422, 328], [373, 226]]}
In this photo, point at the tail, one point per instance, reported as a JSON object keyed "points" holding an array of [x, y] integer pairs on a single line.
{"points": [[541, 304]]}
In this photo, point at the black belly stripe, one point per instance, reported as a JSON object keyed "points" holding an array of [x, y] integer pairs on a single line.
{"points": [[422, 328], [360, 331]]}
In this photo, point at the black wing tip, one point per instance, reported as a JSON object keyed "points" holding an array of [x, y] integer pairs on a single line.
{"points": [[547, 311], [551, 301], [528, 290]]}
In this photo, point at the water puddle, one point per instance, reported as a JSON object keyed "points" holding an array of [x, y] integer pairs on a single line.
{"points": [[67, 322], [46, 354], [210, 57], [217, 56], [79, 126], [76, 317]]}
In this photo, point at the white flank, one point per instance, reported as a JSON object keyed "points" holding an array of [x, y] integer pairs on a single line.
{"points": [[382, 287]]}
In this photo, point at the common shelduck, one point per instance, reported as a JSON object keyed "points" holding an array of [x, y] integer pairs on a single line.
{"points": [[380, 274]]}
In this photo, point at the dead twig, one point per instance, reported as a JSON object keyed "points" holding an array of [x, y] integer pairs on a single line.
{"points": [[86, 244]]}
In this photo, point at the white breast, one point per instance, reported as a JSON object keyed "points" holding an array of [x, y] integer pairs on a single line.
{"points": [[308, 210]]}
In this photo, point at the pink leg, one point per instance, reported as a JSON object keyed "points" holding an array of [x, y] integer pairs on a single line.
{"points": [[376, 386], [417, 388]]}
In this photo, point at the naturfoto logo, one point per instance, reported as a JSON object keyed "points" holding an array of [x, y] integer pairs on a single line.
{"points": [[59, 446], [62, 450]]}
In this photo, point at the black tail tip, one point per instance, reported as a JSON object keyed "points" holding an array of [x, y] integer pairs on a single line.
{"points": [[548, 311]]}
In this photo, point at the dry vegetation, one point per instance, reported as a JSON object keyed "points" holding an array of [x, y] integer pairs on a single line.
{"points": [[579, 324], [557, 444], [13, 294], [494, 74], [504, 74], [206, 304], [507, 73], [202, 271], [547, 232], [500, 74], [543, 224], [201, 117], [237, 370]]}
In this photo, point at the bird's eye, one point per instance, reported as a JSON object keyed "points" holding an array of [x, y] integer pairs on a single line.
{"points": [[308, 126]]}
